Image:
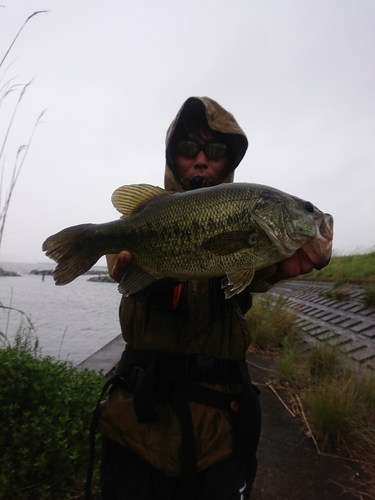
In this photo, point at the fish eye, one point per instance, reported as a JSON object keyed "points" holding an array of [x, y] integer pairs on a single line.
{"points": [[309, 206]]}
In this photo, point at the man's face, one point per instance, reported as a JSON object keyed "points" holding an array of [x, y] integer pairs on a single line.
{"points": [[201, 166]]}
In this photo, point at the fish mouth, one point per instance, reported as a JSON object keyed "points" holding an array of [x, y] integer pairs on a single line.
{"points": [[197, 182], [319, 249]]}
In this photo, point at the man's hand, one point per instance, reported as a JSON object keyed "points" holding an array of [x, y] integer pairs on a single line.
{"points": [[119, 264], [293, 266]]}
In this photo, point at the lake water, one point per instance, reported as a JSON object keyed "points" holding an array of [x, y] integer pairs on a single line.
{"points": [[71, 322]]}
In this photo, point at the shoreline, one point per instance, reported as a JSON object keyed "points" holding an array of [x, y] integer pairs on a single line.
{"points": [[106, 357]]}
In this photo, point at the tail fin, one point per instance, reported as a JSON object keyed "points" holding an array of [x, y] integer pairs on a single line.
{"points": [[69, 249]]}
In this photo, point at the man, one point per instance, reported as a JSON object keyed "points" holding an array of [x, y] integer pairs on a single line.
{"points": [[189, 422]]}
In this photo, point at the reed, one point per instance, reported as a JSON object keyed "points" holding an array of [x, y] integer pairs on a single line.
{"points": [[16, 91]]}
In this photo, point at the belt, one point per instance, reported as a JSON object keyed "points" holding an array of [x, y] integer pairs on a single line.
{"points": [[196, 368]]}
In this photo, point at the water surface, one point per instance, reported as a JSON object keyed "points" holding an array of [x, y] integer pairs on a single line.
{"points": [[72, 321]]}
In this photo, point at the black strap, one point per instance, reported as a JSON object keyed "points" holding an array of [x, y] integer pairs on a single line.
{"points": [[144, 396], [249, 419], [193, 367], [93, 427], [188, 457]]}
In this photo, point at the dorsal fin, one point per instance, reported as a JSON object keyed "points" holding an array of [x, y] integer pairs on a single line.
{"points": [[126, 199]]}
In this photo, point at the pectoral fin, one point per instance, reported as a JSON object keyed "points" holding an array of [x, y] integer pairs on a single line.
{"points": [[135, 280], [230, 242], [236, 281]]}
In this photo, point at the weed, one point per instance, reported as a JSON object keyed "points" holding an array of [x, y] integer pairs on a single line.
{"points": [[323, 361], [342, 409], [369, 295], [339, 290], [270, 322], [288, 366]]}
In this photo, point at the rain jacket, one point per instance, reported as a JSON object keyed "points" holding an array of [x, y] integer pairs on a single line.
{"points": [[190, 318]]}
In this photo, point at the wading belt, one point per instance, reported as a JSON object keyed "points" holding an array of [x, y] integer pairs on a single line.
{"points": [[155, 378]]}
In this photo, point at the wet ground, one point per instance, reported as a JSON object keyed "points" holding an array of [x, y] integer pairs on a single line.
{"points": [[289, 465]]}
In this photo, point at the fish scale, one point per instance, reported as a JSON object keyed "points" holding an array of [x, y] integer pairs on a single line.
{"points": [[176, 226]]}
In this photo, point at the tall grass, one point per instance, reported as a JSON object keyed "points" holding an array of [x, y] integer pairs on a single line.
{"points": [[9, 90], [270, 322], [342, 410], [324, 361], [25, 337]]}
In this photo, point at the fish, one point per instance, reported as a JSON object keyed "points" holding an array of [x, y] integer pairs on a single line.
{"points": [[229, 230]]}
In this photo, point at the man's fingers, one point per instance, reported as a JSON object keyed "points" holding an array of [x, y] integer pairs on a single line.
{"points": [[123, 262], [293, 266], [290, 267], [306, 264]]}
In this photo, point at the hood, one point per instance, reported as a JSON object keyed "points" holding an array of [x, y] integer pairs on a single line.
{"points": [[204, 109]]}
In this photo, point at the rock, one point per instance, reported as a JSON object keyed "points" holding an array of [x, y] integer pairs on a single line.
{"points": [[44, 273], [7, 273], [102, 279]]}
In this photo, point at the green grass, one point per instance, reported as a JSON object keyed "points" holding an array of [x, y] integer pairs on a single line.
{"points": [[288, 366], [345, 269], [339, 291], [323, 361], [270, 322], [350, 267]]}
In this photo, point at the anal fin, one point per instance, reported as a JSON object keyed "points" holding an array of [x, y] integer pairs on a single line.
{"points": [[135, 280]]}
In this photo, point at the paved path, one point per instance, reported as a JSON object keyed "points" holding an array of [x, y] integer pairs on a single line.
{"points": [[347, 323], [106, 357]]}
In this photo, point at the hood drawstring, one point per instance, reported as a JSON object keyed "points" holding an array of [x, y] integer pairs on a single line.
{"points": [[176, 296]]}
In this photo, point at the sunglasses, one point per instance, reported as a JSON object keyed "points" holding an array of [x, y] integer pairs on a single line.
{"points": [[212, 150]]}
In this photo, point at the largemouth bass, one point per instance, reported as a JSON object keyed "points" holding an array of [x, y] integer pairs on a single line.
{"points": [[229, 230]]}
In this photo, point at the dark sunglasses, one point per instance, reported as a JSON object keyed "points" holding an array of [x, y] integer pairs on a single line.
{"points": [[212, 150]]}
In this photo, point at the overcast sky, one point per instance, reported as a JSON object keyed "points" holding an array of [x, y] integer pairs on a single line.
{"points": [[298, 75]]}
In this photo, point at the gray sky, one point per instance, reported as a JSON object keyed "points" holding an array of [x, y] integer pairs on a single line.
{"points": [[299, 76]]}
